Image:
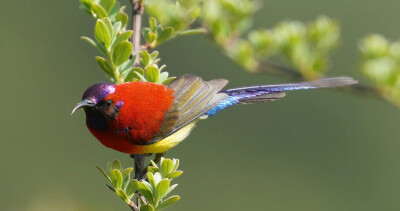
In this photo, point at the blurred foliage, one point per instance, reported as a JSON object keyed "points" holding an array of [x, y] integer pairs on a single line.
{"points": [[305, 47], [381, 64], [154, 190], [228, 22]]}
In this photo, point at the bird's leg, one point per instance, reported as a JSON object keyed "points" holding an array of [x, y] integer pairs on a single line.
{"points": [[139, 165], [156, 160]]}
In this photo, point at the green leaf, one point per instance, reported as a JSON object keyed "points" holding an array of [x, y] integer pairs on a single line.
{"points": [[126, 65], [166, 167], [121, 194], [131, 188], [116, 164], [175, 174], [95, 44], [168, 202], [171, 189], [150, 178], [193, 31], [146, 207], [116, 28], [113, 12], [144, 58], [145, 191], [176, 164], [123, 37], [162, 188], [126, 175], [165, 35], [168, 80], [149, 185], [98, 11], [154, 55], [157, 177], [153, 24], [110, 188], [103, 172], [153, 164], [123, 18], [102, 34], [109, 26], [139, 70], [107, 4], [105, 66], [129, 75], [116, 178], [163, 77], [151, 37], [140, 76], [86, 5], [121, 52], [145, 32], [152, 74]]}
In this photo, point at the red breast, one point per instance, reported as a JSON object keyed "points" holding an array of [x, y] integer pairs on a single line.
{"points": [[140, 117]]}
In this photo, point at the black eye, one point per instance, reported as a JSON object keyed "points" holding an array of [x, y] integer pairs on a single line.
{"points": [[108, 103]]}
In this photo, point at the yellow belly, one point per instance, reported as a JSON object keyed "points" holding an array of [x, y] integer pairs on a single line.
{"points": [[166, 143]]}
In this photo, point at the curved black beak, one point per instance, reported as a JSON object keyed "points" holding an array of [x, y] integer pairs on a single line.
{"points": [[84, 103]]}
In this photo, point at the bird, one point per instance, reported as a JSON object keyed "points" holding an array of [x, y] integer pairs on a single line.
{"points": [[145, 117]]}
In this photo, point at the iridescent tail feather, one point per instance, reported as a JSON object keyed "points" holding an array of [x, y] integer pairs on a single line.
{"points": [[265, 93]]}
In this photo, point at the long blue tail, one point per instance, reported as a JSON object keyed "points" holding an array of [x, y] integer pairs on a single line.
{"points": [[265, 93]]}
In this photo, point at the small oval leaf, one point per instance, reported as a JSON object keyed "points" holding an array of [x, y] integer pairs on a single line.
{"points": [[116, 178], [115, 164], [107, 4], [152, 74], [102, 34], [98, 11], [166, 167], [146, 207], [121, 194], [132, 188], [105, 66], [121, 52], [162, 188], [103, 172], [145, 191], [123, 18], [168, 202], [165, 35]]}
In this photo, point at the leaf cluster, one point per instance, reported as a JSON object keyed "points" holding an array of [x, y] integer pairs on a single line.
{"points": [[154, 190], [112, 39], [305, 46], [228, 22], [381, 64]]}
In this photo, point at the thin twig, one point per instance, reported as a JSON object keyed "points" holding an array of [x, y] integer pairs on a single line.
{"points": [[133, 207], [137, 13]]}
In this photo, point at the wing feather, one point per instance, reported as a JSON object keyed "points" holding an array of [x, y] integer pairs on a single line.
{"points": [[193, 98]]}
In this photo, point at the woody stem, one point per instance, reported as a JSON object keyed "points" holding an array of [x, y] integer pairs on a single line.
{"points": [[137, 12]]}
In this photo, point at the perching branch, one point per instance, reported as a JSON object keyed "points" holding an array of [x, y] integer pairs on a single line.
{"points": [[286, 72], [137, 12]]}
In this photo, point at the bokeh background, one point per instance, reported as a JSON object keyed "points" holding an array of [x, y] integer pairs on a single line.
{"points": [[313, 150]]}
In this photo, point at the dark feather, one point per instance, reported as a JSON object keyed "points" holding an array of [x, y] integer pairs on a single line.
{"points": [[193, 98]]}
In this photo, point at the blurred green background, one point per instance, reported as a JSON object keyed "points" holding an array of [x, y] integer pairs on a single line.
{"points": [[313, 150]]}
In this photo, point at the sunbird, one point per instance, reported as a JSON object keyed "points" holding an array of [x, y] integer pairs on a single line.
{"points": [[145, 117]]}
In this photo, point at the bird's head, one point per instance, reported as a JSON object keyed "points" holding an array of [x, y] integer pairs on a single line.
{"points": [[94, 99]]}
